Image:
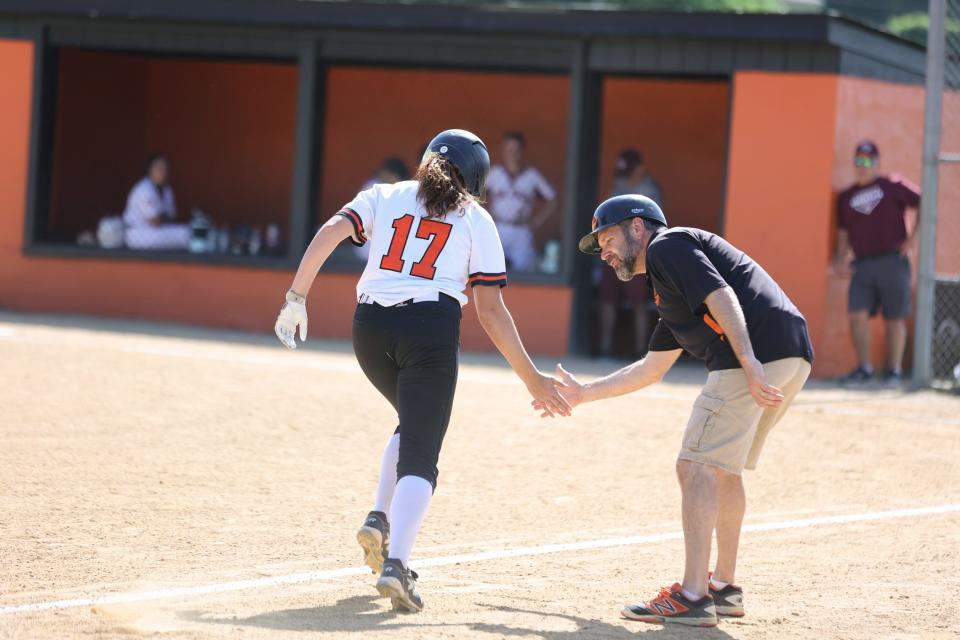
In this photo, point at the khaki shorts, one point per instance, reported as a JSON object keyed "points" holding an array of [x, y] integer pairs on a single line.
{"points": [[727, 428]]}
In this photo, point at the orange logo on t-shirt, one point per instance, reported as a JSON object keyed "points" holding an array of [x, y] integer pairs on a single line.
{"points": [[713, 324]]}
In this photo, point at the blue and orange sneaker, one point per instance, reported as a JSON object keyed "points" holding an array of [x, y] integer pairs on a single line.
{"points": [[671, 606]]}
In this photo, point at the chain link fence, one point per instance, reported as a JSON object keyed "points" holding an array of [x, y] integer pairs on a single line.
{"points": [[944, 360]]}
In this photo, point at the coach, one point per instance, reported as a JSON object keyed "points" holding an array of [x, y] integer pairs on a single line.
{"points": [[719, 305]]}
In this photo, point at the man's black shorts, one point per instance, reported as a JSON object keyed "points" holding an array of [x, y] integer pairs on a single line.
{"points": [[881, 282]]}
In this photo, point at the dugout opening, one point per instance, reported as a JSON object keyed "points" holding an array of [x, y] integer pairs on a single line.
{"points": [[374, 113], [226, 126]]}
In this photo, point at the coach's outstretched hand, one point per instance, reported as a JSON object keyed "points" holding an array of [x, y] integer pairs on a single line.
{"points": [[293, 314], [547, 396], [569, 389]]}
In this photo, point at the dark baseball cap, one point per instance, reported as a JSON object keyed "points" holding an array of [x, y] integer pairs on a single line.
{"points": [[627, 161], [867, 148]]}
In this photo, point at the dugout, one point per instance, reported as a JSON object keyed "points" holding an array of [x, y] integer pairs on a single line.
{"points": [[277, 111]]}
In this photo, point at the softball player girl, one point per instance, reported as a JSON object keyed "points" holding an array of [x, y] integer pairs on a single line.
{"points": [[428, 239]]}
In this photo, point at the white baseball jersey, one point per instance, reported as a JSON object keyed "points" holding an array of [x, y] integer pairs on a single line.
{"points": [[412, 255], [147, 202], [512, 197]]}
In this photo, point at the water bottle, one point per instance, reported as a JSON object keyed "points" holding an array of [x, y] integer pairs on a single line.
{"points": [[198, 232], [223, 239], [255, 240]]}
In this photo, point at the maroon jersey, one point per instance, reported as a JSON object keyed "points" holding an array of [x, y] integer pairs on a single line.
{"points": [[875, 215]]}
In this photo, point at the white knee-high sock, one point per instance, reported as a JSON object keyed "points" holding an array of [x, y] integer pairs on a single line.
{"points": [[407, 512], [388, 475]]}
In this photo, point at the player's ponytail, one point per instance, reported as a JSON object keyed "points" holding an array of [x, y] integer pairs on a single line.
{"points": [[441, 187]]}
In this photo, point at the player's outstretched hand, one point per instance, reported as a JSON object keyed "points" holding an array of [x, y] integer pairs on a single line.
{"points": [[547, 397], [765, 395], [293, 314], [569, 387]]}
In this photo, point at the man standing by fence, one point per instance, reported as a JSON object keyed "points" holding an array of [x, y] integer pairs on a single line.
{"points": [[873, 224]]}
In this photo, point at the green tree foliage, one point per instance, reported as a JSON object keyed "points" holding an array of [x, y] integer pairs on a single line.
{"points": [[913, 26]]}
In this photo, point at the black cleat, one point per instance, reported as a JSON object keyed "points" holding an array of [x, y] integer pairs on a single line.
{"points": [[374, 538], [400, 585]]}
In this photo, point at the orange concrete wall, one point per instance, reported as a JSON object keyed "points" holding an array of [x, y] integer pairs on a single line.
{"points": [[779, 196], [16, 76], [227, 126], [681, 128], [374, 113], [948, 215]]}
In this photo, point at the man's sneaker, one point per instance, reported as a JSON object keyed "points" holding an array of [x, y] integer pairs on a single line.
{"points": [[858, 376], [672, 606], [893, 379], [374, 537], [728, 601], [400, 585]]}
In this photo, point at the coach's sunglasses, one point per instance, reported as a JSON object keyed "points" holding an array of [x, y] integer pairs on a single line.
{"points": [[864, 161]]}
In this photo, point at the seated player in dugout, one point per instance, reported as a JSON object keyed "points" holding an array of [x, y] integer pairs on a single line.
{"points": [[719, 305], [429, 238], [874, 228], [516, 190], [151, 211]]}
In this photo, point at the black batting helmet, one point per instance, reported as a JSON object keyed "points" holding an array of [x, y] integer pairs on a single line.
{"points": [[616, 210], [467, 153]]}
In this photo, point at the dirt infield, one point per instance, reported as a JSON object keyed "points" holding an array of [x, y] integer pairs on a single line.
{"points": [[138, 460]]}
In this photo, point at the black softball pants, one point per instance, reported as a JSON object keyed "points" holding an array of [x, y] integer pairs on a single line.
{"points": [[411, 354]]}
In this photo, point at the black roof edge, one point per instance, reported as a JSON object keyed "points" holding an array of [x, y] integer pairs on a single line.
{"points": [[507, 20]]}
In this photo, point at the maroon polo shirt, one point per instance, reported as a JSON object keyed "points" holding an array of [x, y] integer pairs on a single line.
{"points": [[875, 215]]}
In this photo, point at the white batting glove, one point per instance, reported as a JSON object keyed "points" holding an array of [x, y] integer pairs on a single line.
{"points": [[293, 314]]}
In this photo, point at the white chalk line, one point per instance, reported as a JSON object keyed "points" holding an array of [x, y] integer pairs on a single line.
{"points": [[314, 576]]}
